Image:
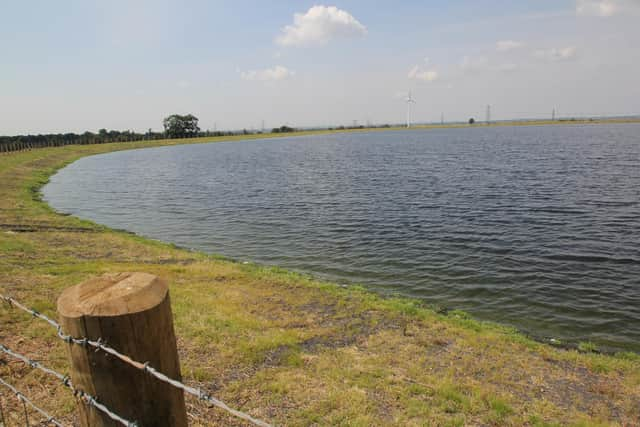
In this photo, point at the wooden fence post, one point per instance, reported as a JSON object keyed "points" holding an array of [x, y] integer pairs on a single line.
{"points": [[131, 312]]}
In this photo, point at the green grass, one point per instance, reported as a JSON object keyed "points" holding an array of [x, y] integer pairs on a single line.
{"points": [[285, 347], [587, 347]]}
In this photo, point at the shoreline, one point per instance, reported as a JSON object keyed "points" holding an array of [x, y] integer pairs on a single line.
{"points": [[560, 341], [300, 324]]}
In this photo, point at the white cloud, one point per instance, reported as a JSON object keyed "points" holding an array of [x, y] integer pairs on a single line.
{"points": [[268, 74], [556, 54], [507, 45], [606, 8], [183, 84], [470, 64], [419, 73], [602, 8], [320, 25]]}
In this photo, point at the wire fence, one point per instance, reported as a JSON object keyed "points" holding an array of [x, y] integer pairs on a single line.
{"points": [[99, 344], [23, 399], [66, 381], [30, 142]]}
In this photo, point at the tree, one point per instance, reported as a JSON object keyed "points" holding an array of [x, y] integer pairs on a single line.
{"points": [[282, 129], [177, 126], [472, 121]]}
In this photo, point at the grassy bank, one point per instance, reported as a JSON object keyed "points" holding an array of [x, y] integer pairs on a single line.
{"points": [[286, 348]]}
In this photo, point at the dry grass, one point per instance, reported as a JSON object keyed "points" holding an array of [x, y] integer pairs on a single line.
{"points": [[284, 347]]}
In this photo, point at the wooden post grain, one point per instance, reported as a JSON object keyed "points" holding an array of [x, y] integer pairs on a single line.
{"points": [[132, 313]]}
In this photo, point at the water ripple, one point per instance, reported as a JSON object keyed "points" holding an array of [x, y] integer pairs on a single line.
{"points": [[537, 227]]}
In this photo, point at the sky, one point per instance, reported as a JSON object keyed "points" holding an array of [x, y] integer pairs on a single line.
{"points": [[77, 65]]}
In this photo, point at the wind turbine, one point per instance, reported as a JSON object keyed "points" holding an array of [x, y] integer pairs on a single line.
{"points": [[409, 101]]}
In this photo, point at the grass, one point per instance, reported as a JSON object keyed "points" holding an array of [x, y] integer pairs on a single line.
{"points": [[287, 348], [587, 347]]}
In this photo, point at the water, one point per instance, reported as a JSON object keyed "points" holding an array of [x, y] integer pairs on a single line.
{"points": [[536, 227]]}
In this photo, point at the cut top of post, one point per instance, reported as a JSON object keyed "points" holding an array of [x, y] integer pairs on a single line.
{"points": [[113, 294]]}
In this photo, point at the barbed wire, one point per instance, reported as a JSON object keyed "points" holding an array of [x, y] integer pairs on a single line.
{"points": [[66, 381], [145, 367], [22, 398], [13, 303]]}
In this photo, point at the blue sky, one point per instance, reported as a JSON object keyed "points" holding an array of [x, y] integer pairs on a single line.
{"points": [[78, 65]]}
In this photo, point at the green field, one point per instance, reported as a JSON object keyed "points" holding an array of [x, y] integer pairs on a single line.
{"points": [[284, 347]]}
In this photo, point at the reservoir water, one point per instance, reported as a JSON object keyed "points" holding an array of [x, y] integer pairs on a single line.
{"points": [[535, 227]]}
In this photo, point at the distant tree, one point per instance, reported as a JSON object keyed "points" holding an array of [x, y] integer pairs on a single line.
{"points": [[177, 126], [27, 142], [282, 129], [472, 121]]}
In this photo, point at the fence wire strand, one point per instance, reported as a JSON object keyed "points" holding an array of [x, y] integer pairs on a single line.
{"points": [[66, 381], [145, 367], [26, 412], [21, 397]]}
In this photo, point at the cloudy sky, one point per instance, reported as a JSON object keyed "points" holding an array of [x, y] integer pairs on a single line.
{"points": [[125, 64]]}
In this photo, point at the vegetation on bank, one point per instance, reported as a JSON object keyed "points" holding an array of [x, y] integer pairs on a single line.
{"points": [[284, 347], [178, 126], [186, 126]]}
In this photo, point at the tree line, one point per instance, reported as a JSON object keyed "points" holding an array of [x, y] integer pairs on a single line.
{"points": [[175, 126]]}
